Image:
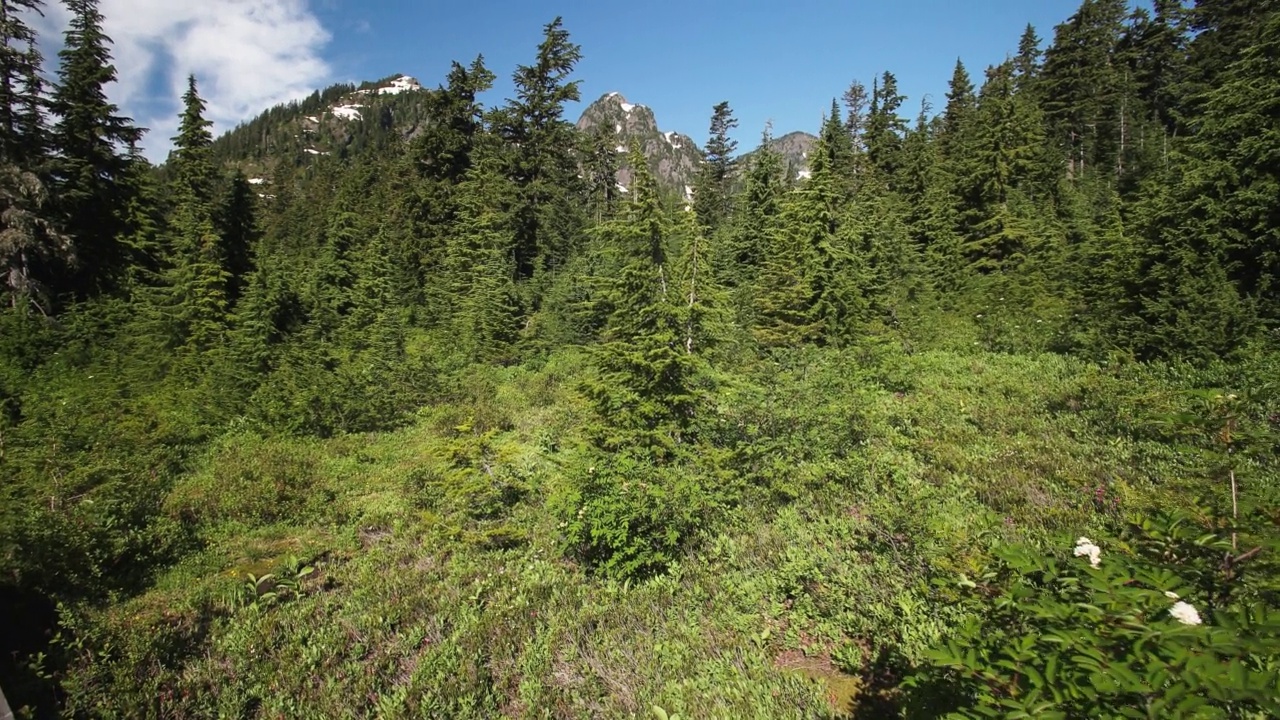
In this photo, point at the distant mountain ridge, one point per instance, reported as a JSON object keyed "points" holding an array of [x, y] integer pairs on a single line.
{"points": [[673, 157], [347, 119]]}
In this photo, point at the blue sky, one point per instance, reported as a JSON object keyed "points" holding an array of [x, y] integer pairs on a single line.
{"points": [[779, 61]]}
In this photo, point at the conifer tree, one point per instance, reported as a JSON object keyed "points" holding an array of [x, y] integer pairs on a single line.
{"points": [[94, 144], [885, 127], [440, 157], [958, 114], [1229, 194], [479, 272], [1007, 138], [198, 276], [31, 242], [711, 197], [1026, 64], [237, 226], [855, 120], [644, 393], [601, 171], [760, 205], [840, 153], [1082, 87], [814, 215], [544, 159]]}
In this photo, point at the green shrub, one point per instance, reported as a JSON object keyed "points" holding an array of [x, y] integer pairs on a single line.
{"points": [[628, 517], [248, 479], [1159, 623]]}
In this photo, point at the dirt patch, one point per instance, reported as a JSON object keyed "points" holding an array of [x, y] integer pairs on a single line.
{"points": [[841, 688]]}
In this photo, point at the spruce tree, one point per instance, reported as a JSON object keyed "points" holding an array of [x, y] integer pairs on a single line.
{"points": [[1026, 64], [479, 272], [198, 276], [543, 156], [1229, 193], [237, 226], [855, 120], [1082, 88], [885, 127], [1006, 142], [93, 142], [644, 392], [957, 115], [31, 241], [711, 196], [814, 216], [760, 205]]}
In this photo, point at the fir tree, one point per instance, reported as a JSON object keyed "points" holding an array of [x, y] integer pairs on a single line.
{"points": [[1007, 138], [236, 224], [644, 393], [31, 242], [957, 115], [855, 120], [544, 162], [198, 276], [94, 144], [711, 196], [760, 206], [884, 126], [1026, 64]]}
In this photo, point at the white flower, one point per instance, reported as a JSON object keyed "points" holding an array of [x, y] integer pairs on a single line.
{"points": [[1185, 613], [1086, 548], [1171, 594]]}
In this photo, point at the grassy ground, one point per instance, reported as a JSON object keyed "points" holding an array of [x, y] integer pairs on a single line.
{"points": [[419, 573]]}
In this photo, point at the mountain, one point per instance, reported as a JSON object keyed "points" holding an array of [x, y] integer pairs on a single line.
{"points": [[673, 157], [341, 120], [794, 148]]}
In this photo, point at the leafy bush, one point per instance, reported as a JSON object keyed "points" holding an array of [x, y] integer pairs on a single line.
{"points": [[1158, 623], [628, 517]]}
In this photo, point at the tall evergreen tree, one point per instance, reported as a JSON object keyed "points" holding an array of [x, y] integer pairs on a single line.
{"points": [[760, 205], [94, 143], [1006, 141], [237, 226], [31, 241], [956, 116], [711, 195], [644, 393], [440, 157], [1082, 85], [855, 105], [1229, 196], [1026, 64], [197, 276], [543, 156], [885, 128]]}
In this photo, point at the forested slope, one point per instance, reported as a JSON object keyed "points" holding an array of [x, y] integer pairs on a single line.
{"points": [[974, 413]]}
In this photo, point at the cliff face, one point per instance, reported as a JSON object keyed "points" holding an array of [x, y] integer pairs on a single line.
{"points": [[673, 157]]}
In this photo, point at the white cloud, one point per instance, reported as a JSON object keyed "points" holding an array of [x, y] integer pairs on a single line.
{"points": [[247, 55]]}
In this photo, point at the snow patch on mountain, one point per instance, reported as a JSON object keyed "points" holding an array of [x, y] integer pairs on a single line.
{"points": [[401, 84], [347, 112], [622, 188], [627, 107], [804, 175], [257, 181], [621, 148]]}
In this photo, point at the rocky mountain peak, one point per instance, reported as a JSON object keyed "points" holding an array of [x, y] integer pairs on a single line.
{"points": [[673, 157]]}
